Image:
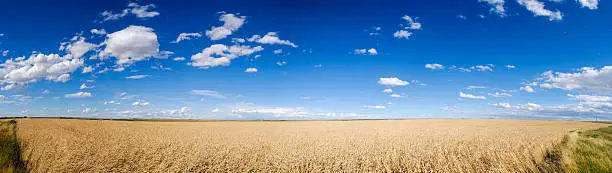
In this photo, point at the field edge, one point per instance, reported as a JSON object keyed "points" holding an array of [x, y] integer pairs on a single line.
{"points": [[10, 147], [580, 151]]}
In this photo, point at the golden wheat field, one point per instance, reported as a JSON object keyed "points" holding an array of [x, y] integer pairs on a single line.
{"points": [[422, 145]]}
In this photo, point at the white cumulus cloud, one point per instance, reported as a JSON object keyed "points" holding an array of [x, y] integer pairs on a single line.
{"points": [[370, 51], [537, 8], [501, 105], [470, 96], [585, 110], [78, 46], [84, 86], [271, 38], [98, 31], [141, 103], [19, 71], [109, 15], [591, 98], [527, 88], [186, 36], [497, 6], [589, 78], [231, 23], [500, 94], [251, 70], [434, 66], [132, 44], [79, 95], [402, 34], [412, 24], [221, 55], [591, 4], [392, 82], [112, 102], [87, 69], [140, 11], [487, 67]]}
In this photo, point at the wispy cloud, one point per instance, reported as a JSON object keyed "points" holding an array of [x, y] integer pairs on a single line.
{"points": [[207, 93], [137, 76]]}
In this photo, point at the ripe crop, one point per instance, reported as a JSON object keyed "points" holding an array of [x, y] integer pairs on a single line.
{"points": [[420, 145]]}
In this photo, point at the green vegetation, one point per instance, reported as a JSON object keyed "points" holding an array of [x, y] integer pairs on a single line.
{"points": [[581, 151], [591, 151], [10, 153]]}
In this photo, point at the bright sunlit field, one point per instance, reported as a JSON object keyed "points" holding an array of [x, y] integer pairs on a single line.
{"points": [[420, 145]]}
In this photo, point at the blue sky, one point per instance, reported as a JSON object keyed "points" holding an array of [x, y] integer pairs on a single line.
{"points": [[524, 59]]}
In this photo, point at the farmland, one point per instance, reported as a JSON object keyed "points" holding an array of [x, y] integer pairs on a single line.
{"points": [[420, 145]]}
